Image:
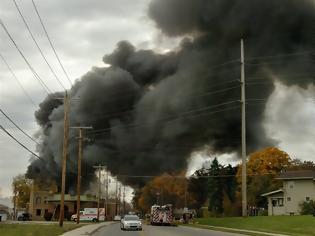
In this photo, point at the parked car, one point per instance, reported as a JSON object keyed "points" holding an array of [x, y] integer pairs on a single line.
{"points": [[130, 222], [24, 217]]}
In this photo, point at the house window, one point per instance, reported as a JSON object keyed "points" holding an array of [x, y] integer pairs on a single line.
{"points": [[274, 202], [38, 200], [38, 212], [291, 184], [307, 199], [288, 199], [280, 201]]}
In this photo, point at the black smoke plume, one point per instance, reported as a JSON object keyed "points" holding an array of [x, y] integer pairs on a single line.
{"points": [[150, 111]]}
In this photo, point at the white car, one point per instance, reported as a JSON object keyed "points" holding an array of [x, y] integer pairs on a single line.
{"points": [[130, 222]]}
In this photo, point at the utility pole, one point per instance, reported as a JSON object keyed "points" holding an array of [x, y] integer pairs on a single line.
{"points": [[106, 197], [185, 196], [116, 198], [64, 158], [99, 168], [124, 199], [119, 200], [244, 159], [80, 138]]}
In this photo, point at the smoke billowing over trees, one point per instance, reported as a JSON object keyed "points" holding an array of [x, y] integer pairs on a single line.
{"points": [[150, 111]]}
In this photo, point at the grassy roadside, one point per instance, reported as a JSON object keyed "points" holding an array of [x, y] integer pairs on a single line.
{"points": [[289, 225], [35, 229]]}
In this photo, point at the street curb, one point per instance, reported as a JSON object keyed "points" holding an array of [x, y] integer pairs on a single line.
{"points": [[235, 230], [98, 228]]}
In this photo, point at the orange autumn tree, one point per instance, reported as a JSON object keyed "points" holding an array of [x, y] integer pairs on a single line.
{"points": [[262, 169], [164, 189]]}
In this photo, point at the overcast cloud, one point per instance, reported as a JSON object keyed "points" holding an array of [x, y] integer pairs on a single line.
{"points": [[82, 32]]}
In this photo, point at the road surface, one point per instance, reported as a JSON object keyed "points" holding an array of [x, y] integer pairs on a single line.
{"points": [[148, 230]]}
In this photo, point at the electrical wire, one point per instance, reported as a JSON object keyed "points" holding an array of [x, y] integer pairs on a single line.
{"points": [[18, 127], [174, 117], [42, 83], [18, 81], [22, 145], [37, 45], [50, 42]]}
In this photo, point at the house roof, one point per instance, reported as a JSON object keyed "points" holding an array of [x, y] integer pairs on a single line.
{"points": [[297, 174], [272, 193]]}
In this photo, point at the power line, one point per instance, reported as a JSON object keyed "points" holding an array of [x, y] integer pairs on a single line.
{"points": [[27, 135], [280, 56], [22, 145], [50, 42], [18, 81], [37, 45], [42, 83], [175, 117]]}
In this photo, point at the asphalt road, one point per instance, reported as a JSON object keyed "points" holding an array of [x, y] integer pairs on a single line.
{"points": [[148, 230]]}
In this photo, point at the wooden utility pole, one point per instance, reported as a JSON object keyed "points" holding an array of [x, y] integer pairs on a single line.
{"points": [[64, 158], [124, 199], [80, 138], [244, 159], [99, 168], [107, 183], [105, 198], [116, 198]]}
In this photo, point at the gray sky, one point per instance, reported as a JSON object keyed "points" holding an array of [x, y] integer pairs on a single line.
{"points": [[82, 32]]}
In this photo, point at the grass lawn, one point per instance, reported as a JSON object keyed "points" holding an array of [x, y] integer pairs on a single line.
{"points": [[34, 229], [290, 225]]}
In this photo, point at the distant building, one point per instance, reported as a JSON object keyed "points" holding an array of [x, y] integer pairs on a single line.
{"points": [[45, 202], [298, 187], [4, 212]]}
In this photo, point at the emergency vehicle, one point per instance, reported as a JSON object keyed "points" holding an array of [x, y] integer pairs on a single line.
{"points": [[89, 214]]}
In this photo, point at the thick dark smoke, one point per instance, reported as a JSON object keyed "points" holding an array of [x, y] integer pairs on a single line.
{"points": [[150, 111]]}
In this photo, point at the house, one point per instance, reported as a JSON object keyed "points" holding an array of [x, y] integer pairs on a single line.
{"points": [[4, 212], [298, 187]]}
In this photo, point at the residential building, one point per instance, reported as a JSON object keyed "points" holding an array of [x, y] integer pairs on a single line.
{"points": [[298, 187]]}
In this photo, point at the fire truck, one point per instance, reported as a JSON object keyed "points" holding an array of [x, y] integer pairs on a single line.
{"points": [[161, 215]]}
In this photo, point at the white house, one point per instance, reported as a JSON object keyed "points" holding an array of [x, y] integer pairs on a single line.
{"points": [[298, 187]]}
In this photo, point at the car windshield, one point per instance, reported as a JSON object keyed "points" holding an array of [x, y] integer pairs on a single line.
{"points": [[130, 218]]}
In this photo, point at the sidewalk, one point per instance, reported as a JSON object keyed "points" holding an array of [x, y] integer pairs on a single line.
{"points": [[87, 229]]}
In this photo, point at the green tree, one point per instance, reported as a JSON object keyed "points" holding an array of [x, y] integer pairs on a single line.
{"points": [[215, 188], [198, 187], [21, 187]]}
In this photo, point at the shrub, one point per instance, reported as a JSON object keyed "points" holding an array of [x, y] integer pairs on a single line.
{"points": [[308, 208], [48, 216]]}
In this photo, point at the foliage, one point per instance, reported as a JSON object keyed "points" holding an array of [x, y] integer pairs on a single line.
{"points": [[198, 188], [21, 187], [215, 185], [308, 208], [297, 164], [164, 189], [262, 168]]}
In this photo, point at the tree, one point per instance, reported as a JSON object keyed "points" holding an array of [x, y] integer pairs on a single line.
{"points": [[262, 168], [164, 189], [198, 188], [298, 164], [215, 188], [21, 187]]}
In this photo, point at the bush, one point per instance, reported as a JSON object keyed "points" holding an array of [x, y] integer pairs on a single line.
{"points": [[308, 208], [48, 216]]}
